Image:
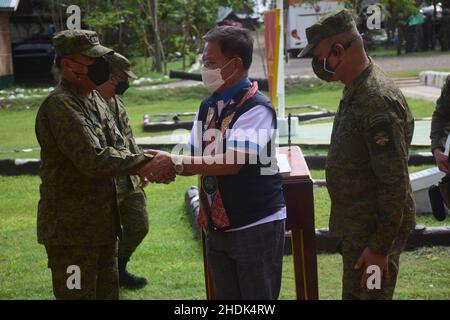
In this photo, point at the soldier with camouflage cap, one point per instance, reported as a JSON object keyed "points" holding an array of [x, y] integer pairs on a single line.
{"points": [[81, 151], [84, 42], [131, 196], [372, 209]]}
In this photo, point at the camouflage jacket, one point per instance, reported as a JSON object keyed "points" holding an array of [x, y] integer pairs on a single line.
{"points": [[440, 124], [81, 151], [367, 165], [124, 183]]}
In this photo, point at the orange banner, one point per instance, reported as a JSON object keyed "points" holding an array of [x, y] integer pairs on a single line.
{"points": [[272, 42]]}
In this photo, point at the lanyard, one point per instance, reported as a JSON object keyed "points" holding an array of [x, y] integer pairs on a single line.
{"points": [[213, 116]]}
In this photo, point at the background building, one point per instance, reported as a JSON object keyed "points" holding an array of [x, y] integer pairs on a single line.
{"points": [[6, 60]]}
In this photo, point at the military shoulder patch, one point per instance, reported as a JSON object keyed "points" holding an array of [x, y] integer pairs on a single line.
{"points": [[380, 133], [379, 120], [99, 131], [381, 138]]}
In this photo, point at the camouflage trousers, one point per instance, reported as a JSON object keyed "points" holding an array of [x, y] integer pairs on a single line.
{"points": [[351, 250], [93, 267], [134, 219]]}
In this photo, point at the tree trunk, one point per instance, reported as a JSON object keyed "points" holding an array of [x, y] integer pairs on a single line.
{"points": [[159, 52], [148, 47], [184, 28], [150, 9], [56, 16], [120, 44]]}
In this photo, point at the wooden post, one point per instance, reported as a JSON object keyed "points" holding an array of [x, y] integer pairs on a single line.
{"points": [[208, 280]]}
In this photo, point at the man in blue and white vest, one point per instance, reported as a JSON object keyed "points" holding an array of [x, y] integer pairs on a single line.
{"points": [[233, 150]]}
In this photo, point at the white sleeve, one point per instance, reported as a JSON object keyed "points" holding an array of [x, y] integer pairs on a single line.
{"points": [[251, 131], [195, 140]]}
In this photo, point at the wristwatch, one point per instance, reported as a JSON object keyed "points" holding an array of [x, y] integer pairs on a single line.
{"points": [[179, 167]]}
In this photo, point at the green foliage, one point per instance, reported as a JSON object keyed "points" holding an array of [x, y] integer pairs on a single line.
{"points": [[191, 19], [395, 7], [123, 25]]}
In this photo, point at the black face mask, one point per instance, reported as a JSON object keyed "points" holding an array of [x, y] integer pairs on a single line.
{"points": [[121, 87], [321, 67], [98, 71]]}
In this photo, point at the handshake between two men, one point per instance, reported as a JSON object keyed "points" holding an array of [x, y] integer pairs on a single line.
{"points": [[161, 169], [164, 167]]}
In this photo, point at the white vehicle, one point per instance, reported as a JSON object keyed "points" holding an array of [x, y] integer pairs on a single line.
{"points": [[301, 16]]}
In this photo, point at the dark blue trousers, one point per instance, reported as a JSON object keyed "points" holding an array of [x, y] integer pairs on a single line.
{"points": [[247, 264]]}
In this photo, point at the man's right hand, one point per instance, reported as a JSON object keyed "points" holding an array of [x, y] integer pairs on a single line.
{"points": [[441, 160], [160, 169]]}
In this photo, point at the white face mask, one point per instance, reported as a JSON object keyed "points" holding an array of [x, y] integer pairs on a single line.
{"points": [[212, 78]]}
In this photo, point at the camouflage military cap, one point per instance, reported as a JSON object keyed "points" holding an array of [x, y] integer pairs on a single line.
{"points": [[329, 25], [121, 62], [79, 41]]}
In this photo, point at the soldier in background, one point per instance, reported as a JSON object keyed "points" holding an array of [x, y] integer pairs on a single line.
{"points": [[81, 152], [419, 37], [440, 129], [402, 28], [131, 196], [372, 209], [428, 32], [444, 32], [410, 38]]}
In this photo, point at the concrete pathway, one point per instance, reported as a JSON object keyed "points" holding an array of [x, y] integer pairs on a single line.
{"points": [[421, 92]]}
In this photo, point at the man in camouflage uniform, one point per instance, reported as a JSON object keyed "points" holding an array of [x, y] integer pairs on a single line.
{"points": [[81, 152], [440, 129], [402, 26], [372, 209], [444, 31], [131, 196]]}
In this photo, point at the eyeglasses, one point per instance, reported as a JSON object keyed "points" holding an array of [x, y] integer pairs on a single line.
{"points": [[349, 43], [345, 45]]}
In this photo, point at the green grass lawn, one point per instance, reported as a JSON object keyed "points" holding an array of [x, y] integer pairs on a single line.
{"points": [[170, 256], [17, 122]]}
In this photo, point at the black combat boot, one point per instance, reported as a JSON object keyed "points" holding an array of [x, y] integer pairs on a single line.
{"points": [[437, 203], [128, 280]]}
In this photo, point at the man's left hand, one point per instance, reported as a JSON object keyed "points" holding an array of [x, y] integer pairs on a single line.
{"points": [[144, 182]]}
